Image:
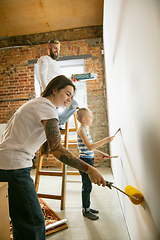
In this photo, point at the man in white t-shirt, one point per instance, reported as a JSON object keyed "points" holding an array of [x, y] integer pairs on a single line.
{"points": [[48, 68]]}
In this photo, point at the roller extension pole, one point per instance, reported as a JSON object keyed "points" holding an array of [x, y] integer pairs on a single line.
{"points": [[125, 193], [110, 185]]}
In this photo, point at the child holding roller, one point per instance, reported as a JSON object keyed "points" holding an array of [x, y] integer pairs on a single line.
{"points": [[86, 153]]}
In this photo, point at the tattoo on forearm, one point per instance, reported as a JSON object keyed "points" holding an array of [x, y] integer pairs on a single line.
{"points": [[70, 159], [53, 134], [56, 147]]}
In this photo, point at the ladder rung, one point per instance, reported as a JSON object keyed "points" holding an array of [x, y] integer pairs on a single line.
{"points": [[72, 130], [43, 195], [50, 173], [56, 173], [73, 173], [71, 141], [72, 145]]}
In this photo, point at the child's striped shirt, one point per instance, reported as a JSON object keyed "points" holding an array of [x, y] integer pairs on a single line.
{"points": [[84, 152]]}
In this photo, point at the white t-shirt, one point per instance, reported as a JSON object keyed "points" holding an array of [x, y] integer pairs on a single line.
{"points": [[48, 69], [24, 133]]}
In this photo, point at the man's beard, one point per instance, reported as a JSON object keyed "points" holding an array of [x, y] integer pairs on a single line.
{"points": [[52, 55]]}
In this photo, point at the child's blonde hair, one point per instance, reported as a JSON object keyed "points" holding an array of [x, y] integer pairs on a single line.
{"points": [[81, 113]]}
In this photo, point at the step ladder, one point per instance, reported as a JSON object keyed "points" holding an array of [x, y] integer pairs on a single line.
{"points": [[63, 173]]}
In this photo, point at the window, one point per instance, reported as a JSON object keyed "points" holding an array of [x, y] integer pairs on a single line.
{"points": [[68, 68]]}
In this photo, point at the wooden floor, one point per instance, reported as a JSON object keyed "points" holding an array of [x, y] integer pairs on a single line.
{"points": [[110, 225]]}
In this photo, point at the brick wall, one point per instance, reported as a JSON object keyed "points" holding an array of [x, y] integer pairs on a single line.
{"points": [[17, 82], [62, 35]]}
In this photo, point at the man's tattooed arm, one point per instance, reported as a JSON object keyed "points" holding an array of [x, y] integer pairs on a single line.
{"points": [[64, 155]]}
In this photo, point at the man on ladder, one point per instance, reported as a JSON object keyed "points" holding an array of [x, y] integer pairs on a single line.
{"points": [[48, 68]]}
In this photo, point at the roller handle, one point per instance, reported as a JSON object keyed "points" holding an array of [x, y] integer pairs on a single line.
{"points": [[110, 185]]}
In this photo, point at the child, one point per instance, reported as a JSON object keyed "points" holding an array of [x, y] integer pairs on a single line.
{"points": [[86, 153]]}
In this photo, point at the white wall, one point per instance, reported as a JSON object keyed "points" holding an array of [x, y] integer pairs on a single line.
{"points": [[132, 59]]}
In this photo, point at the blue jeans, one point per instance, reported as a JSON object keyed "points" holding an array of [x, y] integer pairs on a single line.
{"points": [[86, 184], [25, 212], [67, 112]]}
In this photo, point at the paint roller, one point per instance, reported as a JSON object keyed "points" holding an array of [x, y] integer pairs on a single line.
{"points": [[84, 76], [134, 195]]}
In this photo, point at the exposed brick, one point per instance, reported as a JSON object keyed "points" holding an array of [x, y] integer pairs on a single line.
{"points": [[17, 78]]}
